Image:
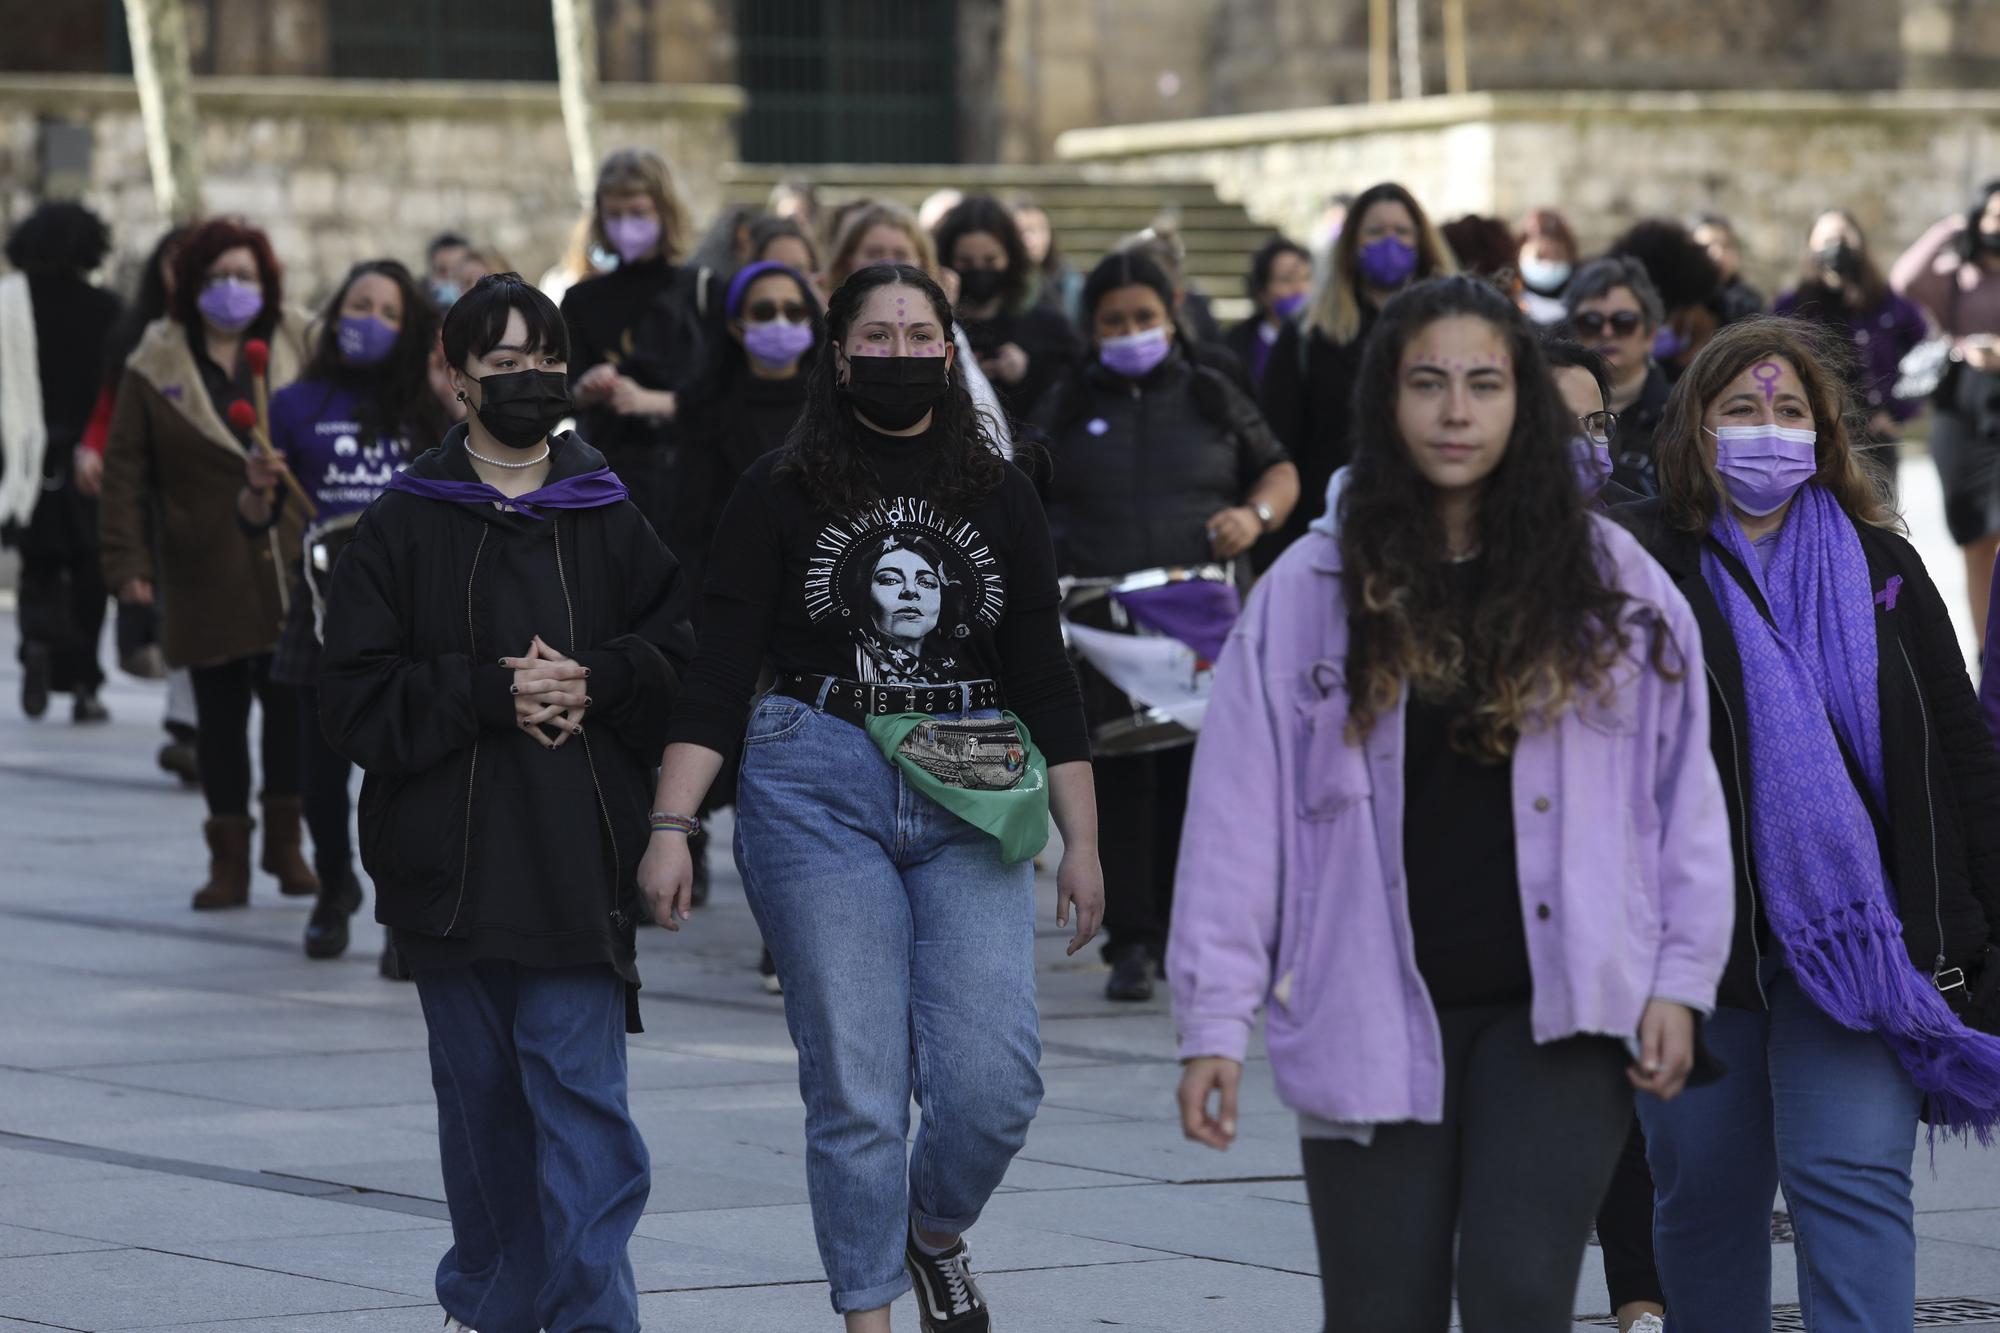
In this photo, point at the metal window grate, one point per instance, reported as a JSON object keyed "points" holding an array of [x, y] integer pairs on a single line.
{"points": [[441, 39], [849, 80], [1938, 1312]]}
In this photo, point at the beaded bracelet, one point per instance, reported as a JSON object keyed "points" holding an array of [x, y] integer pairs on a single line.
{"points": [[671, 823]]}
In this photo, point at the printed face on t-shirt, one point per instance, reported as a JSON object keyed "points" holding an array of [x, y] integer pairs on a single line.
{"points": [[906, 591]]}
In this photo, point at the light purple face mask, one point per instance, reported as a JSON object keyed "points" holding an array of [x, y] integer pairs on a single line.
{"points": [[1287, 306], [1764, 466], [1592, 463], [365, 340], [777, 342], [1136, 354], [632, 238], [230, 305]]}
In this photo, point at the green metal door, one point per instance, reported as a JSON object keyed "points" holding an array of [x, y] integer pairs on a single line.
{"points": [[849, 80]]}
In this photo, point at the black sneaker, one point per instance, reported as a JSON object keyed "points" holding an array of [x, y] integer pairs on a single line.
{"points": [[767, 968], [948, 1299], [339, 898], [1131, 974], [88, 709], [35, 671]]}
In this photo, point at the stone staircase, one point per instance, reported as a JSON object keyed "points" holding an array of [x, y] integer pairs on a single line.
{"points": [[1091, 211]]}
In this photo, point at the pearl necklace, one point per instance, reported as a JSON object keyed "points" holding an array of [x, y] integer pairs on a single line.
{"points": [[494, 462]]}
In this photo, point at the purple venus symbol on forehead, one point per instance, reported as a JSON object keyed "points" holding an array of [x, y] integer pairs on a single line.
{"points": [[1766, 374]]}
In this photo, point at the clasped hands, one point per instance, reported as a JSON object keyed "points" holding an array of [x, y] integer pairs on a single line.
{"points": [[549, 688]]}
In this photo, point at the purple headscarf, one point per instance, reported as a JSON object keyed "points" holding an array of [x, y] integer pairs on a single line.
{"points": [[749, 273]]}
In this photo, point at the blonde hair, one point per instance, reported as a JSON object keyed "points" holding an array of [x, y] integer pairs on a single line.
{"points": [[864, 220], [642, 171], [1336, 306]]}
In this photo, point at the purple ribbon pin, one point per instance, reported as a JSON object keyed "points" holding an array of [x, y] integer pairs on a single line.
{"points": [[1890, 590]]}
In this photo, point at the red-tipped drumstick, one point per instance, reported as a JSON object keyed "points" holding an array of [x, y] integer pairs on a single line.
{"points": [[244, 417]]}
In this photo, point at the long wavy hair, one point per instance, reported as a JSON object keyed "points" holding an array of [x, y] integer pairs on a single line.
{"points": [[1549, 625], [824, 451], [1684, 455], [1338, 305], [395, 396]]}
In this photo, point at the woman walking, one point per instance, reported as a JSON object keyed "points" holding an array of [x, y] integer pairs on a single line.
{"points": [[360, 411], [1451, 818], [173, 465], [899, 577], [503, 642], [1864, 795]]}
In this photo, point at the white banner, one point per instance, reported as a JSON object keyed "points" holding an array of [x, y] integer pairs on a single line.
{"points": [[1161, 673]]}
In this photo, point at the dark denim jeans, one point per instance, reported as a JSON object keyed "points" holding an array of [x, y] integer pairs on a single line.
{"points": [[545, 1173]]}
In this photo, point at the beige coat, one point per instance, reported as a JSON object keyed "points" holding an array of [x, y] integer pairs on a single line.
{"points": [[172, 471]]}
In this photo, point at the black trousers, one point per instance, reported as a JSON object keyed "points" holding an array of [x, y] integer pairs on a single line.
{"points": [[1141, 800], [1625, 1228], [222, 696], [61, 598], [329, 809], [1513, 1173]]}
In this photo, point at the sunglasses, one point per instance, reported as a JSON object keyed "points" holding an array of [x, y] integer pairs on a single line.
{"points": [[1591, 323], [1599, 426], [763, 312]]}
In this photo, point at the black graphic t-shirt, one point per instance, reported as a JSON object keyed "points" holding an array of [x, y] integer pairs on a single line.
{"points": [[900, 592]]}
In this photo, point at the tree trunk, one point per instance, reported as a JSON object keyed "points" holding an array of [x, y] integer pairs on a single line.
{"points": [[576, 66], [1409, 46], [158, 30]]}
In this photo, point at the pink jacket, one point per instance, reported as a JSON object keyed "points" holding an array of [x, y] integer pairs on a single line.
{"points": [[1290, 887]]}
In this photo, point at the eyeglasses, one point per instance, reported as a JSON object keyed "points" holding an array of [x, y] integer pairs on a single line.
{"points": [[763, 312], [1591, 323], [1599, 426]]}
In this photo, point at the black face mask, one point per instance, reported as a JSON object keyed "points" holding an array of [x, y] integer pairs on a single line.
{"points": [[1990, 241], [980, 285], [1839, 259], [894, 392], [521, 406]]}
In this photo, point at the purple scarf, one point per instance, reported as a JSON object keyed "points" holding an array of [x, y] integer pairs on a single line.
{"points": [[586, 490], [1198, 612], [1825, 892]]}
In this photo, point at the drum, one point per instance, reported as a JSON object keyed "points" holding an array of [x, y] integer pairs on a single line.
{"points": [[1172, 677], [323, 546]]}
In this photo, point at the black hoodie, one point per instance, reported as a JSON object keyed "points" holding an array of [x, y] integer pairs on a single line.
{"points": [[481, 842]]}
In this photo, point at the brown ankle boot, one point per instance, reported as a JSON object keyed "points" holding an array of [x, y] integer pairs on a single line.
{"points": [[228, 863], [282, 854]]}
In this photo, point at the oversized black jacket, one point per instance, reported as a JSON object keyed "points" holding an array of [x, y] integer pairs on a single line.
{"points": [[472, 831], [1942, 826]]}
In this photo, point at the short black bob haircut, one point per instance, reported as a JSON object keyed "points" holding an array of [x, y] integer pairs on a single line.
{"points": [[477, 321], [1564, 353], [59, 238]]}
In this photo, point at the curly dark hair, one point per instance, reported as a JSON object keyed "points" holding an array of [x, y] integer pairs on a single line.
{"points": [[205, 244], [824, 450], [59, 237], [1549, 626], [1678, 264], [395, 397], [982, 213]]}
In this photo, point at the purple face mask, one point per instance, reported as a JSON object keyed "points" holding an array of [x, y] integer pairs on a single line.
{"points": [[1135, 354], [776, 342], [1668, 344], [1592, 464], [1387, 262], [365, 340], [231, 306], [1287, 306], [632, 238], [1764, 466]]}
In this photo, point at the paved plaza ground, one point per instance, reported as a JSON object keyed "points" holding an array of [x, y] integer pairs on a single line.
{"points": [[201, 1130]]}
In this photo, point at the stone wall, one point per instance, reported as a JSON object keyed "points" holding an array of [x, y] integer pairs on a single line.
{"points": [[1899, 161], [348, 170]]}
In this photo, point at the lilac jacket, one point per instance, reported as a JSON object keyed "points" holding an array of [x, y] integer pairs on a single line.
{"points": [[1290, 887]]}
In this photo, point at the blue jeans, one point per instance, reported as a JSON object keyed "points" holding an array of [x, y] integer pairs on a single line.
{"points": [[907, 951], [544, 1171], [1827, 1113]]}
